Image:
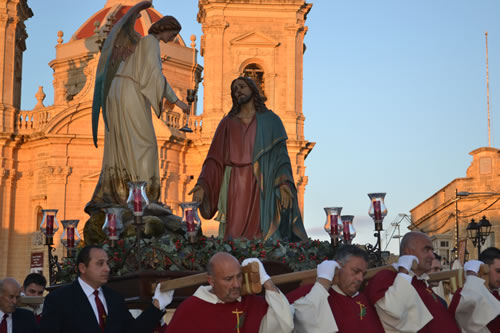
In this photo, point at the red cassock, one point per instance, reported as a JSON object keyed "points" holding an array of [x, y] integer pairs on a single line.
{"points": [[352, 314], [196, 315], [493, 326], [442, 321]]}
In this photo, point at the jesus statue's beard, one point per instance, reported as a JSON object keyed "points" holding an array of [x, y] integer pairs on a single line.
{"points": [[244, 99]]}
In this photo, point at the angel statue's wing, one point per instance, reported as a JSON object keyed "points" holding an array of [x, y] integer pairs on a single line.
{"points": [[119, 44]]}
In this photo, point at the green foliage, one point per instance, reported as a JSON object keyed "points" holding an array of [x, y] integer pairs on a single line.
{"points": [[177, 253]]}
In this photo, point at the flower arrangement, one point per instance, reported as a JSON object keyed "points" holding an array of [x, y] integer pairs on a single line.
{"points": [[177, 253]]}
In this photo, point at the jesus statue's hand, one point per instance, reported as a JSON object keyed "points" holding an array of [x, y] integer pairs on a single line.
{"points": [[198, 193], [286, 196]]}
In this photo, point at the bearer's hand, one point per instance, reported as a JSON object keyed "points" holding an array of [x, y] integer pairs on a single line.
{"points": [[184, 107], [472, 267], [198, 193], [326, 272], [262, 272], [405, 262], [162, 299], [286, 196], [326, 269]]}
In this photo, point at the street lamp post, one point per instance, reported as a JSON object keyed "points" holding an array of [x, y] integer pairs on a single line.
{"points": [[458, 196], [478, 232]]}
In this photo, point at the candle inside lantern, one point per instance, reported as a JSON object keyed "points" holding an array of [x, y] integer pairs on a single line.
{"points": [[49, 229], [137, 200], [112, 226], [190, 220], [334, 225], [347, 233], [377, 210], [70, 238]]}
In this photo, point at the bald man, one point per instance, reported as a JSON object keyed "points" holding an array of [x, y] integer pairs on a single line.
{"points": [[404, 300], [219, 307], [13, 320]]}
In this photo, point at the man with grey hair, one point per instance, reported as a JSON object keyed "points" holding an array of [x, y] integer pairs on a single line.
{"points": [[13, 320], [334, 303], [404, 300]]}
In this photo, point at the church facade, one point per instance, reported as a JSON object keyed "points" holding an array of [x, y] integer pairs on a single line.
{"points": [[48, 157], [444, 216]]}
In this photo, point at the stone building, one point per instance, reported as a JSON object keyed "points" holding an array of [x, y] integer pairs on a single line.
{"points": [[48, 158], [446, 214]]}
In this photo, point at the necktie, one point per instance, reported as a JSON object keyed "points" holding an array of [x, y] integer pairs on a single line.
{"points": [[100, 311], [3, 325]]}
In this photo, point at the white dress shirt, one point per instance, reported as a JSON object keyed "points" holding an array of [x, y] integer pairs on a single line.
{"points": [[89, 292], [9, 321]]}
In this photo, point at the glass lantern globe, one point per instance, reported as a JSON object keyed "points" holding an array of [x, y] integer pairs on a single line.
{"points": [[70, 237], [333, 224], [49, 225], [348, 232], [191, 222], [137, 199], [377, 209]]}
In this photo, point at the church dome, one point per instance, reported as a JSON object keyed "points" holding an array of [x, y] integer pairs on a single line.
{"points": [[114, 11]]}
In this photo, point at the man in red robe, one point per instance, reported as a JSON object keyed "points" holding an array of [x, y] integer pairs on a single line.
{"points": [[220, 307], [247, 176], [477, 308], [404, 300], [335, 304]]}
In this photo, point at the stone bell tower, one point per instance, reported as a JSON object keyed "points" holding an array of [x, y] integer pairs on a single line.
{"points": [[13, 34], [262, 39]]}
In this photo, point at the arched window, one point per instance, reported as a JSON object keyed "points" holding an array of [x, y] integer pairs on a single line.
{"points": [[39, 217], [256, 73]]}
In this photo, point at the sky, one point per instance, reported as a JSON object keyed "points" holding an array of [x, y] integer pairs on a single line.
{"points": [[394, 95]]}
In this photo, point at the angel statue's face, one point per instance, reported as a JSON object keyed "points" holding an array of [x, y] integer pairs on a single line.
{"points": [[167, 35]]}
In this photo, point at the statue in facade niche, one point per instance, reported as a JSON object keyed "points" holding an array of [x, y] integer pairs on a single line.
{"points": [[247, 176], [129, 82]]}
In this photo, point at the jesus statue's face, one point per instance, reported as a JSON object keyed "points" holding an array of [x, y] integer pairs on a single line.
{"points": [[241, 91], [226, 280]]}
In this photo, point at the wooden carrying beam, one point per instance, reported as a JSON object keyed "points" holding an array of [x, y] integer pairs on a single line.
{"points": [[251, 276], [29, 300], [252, 285]]}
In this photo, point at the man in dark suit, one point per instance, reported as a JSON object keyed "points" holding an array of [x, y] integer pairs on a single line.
{"points": [[87, 306], [14, 320]]}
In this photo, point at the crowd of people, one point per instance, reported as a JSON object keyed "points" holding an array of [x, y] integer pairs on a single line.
{"points": [[341, 299]]}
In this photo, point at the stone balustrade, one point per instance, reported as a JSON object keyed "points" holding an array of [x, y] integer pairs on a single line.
{"points": [[31, 121]]}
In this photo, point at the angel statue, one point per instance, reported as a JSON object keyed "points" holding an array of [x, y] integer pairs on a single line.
{"points": [[129, 82]]}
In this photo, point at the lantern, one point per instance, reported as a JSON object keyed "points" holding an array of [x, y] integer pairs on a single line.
{"points": [[70, 237], [113, 223], [348, 232], [191, 222], [49, 225], [333, 224], [137, 199], [377, 209]]}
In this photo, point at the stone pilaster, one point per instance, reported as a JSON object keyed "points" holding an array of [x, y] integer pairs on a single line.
{"points": [[13, 35]]}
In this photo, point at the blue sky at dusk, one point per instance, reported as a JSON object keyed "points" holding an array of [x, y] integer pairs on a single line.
{"points": [[394, 94]]}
